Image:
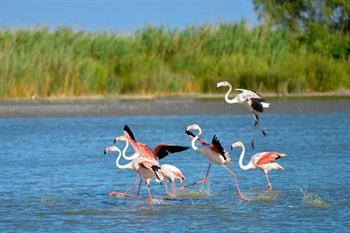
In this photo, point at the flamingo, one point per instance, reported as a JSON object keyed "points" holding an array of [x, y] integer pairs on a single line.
{"points": [[266, 161], [250, 99], [132, 186], [144, 151], [159, 152], [171, 173], [215, 153], [147, 169]]}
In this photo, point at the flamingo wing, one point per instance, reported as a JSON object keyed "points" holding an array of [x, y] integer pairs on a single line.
{"points": [[198, 140], [256, 104], [150, 166], [129, 133], [163, 150], [145, 151], [217, 147], [268, 157]]}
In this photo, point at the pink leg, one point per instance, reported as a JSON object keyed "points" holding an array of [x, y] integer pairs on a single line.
{"points": [[173, 186], [234, 177], [269, 185], [166, 189], [201, 181], [150, 200], [126, 193]]}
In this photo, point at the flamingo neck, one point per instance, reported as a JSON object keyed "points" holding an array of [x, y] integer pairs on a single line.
{"points": [[118, 165], [131, 157], [229, 101], [193, 143], [240, 162]]}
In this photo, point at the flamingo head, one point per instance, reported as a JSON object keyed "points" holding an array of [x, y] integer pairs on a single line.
{"points": [[110, 149], [222, 84], [193, 127], [120, 138], [237, 144]]}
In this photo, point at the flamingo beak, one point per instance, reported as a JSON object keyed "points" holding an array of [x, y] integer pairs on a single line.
{"points": [[115, 141], [105, 151]]}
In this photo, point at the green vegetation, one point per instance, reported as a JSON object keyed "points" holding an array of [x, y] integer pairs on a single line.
{"points": [[155, 60]]}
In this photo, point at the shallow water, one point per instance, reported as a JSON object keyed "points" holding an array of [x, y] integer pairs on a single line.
{"points": [[55, 178]]}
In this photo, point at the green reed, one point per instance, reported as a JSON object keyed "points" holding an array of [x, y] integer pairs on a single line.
{"points": [[158, 60]]}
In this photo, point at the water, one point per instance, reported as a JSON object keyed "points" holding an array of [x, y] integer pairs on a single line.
{"points": [[55, 178]]}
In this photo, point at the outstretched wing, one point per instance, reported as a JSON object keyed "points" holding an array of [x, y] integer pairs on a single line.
{"points": [[129, 132], [163, 150], [217, 147]]}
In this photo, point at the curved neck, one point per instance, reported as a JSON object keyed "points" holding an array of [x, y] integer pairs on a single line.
{"points": [[131, 157], [229, 101], [126, 166], [193, 143], [240, 162]]}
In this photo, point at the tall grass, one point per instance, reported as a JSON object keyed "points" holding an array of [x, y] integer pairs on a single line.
{"points": [[157, 60]]}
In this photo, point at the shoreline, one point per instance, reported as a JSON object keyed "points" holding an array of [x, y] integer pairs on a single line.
{"points": [[161, 106]]}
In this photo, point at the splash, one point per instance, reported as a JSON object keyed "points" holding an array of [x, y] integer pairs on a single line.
{"points": [[204, 191], [312, 199], [265, 196], [191, 194]]}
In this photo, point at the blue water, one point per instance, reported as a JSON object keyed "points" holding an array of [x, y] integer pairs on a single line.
{"points": [[54, 176]]}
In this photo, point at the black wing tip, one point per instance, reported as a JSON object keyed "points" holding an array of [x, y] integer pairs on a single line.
{"points": [[128, 130], [155, 168]]}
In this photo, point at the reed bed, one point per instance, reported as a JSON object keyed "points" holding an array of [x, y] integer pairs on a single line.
{"points": [[162, 61]]}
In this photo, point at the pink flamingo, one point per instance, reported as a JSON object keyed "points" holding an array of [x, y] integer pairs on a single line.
{"points": [[266, 161], [215, 153], [146, 168], [143, 151], [250, 99], [157, 153]]}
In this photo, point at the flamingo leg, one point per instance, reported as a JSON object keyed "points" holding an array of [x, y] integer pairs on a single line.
{"points": [[201, 181], [234, 177], [150, 200], [126, 193], [269, 185], [166, 189], [173, 186], [256, 122], [138, 190]]}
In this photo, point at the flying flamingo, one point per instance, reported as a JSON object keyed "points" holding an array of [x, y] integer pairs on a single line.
{"points": [[171, 173], [250, 99], [215, 153], [146, 168], [266, 161]]}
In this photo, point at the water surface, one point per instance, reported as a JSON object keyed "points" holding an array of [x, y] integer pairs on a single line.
{"points": [[55, 178]]}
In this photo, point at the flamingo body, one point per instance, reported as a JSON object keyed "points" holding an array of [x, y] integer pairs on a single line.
{"points": [[214, 152], [266, 161]]}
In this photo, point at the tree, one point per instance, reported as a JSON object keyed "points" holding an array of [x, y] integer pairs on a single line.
{"points": [[333, 15]]}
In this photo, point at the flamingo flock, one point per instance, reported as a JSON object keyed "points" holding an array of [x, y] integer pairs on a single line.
{"points": [[145, 162]]}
